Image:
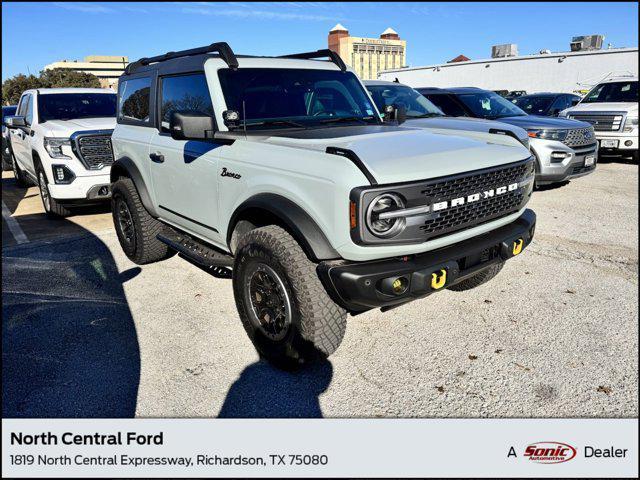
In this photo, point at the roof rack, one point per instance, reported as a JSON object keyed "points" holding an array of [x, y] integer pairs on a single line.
{"points": [[326, 53], [221, 48]]}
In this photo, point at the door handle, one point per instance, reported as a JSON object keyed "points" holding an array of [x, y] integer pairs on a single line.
{"points": [[156, 157]]}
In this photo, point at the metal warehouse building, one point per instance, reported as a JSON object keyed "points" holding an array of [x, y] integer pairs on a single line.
{"points": [[544, 72]]}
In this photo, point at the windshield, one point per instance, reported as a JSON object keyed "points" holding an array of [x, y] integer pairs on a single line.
{"points": [[534, 105], [489, 105], [400, 95], [613, 92], [269, 97], [70, 106]]}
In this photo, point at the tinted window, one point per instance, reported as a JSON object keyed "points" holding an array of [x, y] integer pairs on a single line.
{"points": [[69, 106], [537, 105], [184, 93], [489, 105], [415, 104], [272, 97], [613, 92], [134, 99], [447, 104], [8, 111]]}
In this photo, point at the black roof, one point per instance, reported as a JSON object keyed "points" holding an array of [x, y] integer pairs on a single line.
{"points": [[547, 94]]}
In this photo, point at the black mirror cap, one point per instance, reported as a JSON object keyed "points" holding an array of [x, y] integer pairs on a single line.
{"points": [[191, 126], [14, 121]]}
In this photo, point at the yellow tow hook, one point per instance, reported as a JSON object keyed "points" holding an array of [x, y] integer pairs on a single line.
{"points": [[438, 283], [517, 246]]}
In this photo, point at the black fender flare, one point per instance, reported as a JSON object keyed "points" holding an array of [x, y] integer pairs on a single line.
{"points": [[294, 219], [126, 167]]}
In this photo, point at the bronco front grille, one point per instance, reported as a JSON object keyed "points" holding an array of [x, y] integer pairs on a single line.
{"points": [[482, 210], [579, 137], [93, 149], [609, 122]]}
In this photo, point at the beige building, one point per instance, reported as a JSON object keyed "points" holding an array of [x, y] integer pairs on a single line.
{"points": [[107, 68], [368, 56]]}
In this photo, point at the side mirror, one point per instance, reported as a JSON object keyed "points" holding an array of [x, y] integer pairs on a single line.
{"points": [[14, 122], [395, 113], [191, 126]]}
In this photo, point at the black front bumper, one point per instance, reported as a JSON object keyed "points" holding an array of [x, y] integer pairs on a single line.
{"points": [[361, 286]]}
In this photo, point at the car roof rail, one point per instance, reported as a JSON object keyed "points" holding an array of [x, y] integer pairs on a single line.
{"points": [[325, 53], [222, 48]]}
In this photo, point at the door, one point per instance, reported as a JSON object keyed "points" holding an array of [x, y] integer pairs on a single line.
{"points": [[184, 172], [20, 136]]}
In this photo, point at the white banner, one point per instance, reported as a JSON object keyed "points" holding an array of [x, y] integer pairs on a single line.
{"points": [[320, 448]]}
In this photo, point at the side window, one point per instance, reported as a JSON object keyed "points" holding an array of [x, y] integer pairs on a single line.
{"points": [[28, 115], [134, 98], [560, 103], [184, 93], [447, 105]]}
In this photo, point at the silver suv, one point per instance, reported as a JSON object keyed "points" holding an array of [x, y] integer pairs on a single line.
{"points": [[283, 170]]}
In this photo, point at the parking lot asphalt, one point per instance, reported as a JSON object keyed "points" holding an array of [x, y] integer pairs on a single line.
{"points": [[88, 333]]}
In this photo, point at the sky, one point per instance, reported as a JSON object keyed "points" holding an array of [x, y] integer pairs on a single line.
{"points": [[35, 34]]}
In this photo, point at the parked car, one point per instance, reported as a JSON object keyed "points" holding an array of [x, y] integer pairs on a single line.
{"points": [[612, 108], [421, 112], [546, 104], [61, 141], [7, 111], [283, 169], [564, 149]]}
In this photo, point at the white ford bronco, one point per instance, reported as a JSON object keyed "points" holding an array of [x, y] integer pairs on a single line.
{"points": [[61, 141], [282, 170]]}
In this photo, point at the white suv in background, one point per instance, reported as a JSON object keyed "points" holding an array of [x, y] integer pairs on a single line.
{"points": [[61, 141], [612, 108]]}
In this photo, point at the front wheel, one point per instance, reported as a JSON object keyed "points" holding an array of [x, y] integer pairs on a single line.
{"points": [[51, 206], [284, 307]]}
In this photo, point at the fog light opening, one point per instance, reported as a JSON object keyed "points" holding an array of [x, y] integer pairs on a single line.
{"points": [[628, 143]]}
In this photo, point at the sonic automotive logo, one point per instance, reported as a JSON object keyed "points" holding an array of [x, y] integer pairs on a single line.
{"points": [[549, 452]]}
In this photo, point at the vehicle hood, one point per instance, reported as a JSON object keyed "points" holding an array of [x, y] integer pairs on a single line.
{"points": [[537, 121], [64, 128], [604, 107], [401, 154], [465, 124]]}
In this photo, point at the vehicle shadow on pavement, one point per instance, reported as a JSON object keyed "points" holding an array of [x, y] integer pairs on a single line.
{"points": [[263, 391], [69, 343]]}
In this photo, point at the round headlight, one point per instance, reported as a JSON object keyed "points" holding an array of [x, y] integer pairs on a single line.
{"points": [[387, 227]]}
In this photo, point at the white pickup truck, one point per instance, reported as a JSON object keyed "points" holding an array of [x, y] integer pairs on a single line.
{"points": [[61, 141], [612, 108]]}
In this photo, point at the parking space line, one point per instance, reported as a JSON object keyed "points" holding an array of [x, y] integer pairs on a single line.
{"points": [[13, 225]]}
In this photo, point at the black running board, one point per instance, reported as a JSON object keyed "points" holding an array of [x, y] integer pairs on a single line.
{"points": [[196, 250]]}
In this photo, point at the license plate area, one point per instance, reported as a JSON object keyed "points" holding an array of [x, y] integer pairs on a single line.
{"points": [[609, 143]]}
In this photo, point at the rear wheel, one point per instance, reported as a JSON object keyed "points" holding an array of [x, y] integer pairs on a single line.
{"points": [[284, 307], [51, 206], [135, 227]]}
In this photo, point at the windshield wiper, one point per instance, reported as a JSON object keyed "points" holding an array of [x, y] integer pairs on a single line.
{"points": [[347, 119], [269, 123]]}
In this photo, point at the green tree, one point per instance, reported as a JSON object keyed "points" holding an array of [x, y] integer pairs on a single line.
{"points": [[63, 78], [13, 87]]}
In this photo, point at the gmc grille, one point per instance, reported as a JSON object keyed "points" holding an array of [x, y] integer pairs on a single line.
{"points": [[94, 151], [609, 122], [481, 211]]}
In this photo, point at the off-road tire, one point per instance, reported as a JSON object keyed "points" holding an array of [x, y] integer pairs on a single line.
{"points": [[317, 323], [144, 247], [20, 177], [478, 279], [51, 206]]}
